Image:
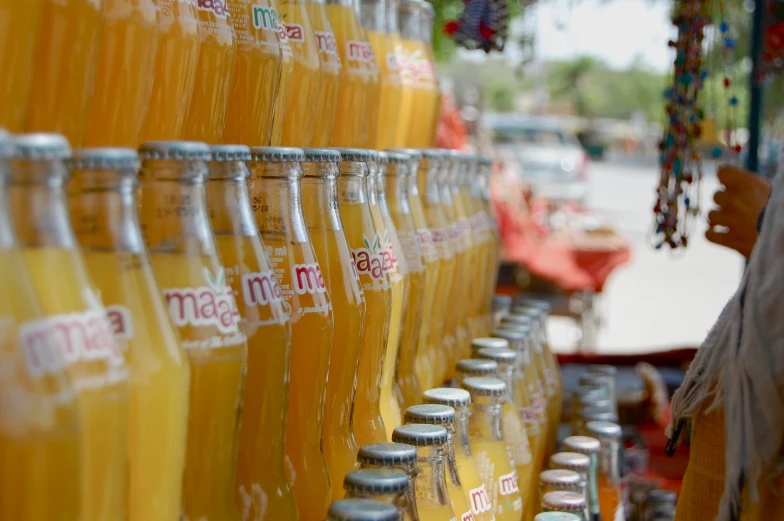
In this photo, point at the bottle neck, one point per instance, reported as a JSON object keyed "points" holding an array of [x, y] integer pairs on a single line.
{"points": [[486, 418], [426, 29], [103, 211], [506, 373], [173, 208], [372, 182], [37, 204], [396, 183], [431, 474], [609, 463], [462, 414], [393, 20], [410, 24], [428, 182], [228, 200], [451, 459], [373, 15], [276, 201], [320, 196], [7, 238], [381, 193], [352, 189]]}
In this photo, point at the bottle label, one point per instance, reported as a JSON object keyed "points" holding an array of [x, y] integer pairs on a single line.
{"points": [[376, 258], [467, 516], [308, 279], [211, 305], [261, 288], [480, 501], [411, 250], [294, 32], [42, 353], [456, 238], [507, 484], [438, 235], [392, 61], [219, 8], [537, 402], [530, 419], [427, 245], [121, 321], [359, 51], [326, 42], [264, 17]]}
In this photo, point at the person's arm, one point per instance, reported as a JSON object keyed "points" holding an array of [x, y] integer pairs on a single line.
{"points": [[740, 208]]}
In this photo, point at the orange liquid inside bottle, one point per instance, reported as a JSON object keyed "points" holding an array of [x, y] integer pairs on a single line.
{"points": [[124, 76], [261, 491], [331, 72], [103, 210], [275, 196], [434, 83], [320, 208], [477, 224], [202, 307], [363, 238], [356, 86], [94, 358], [256, 73], [306, 77], [19, 26], [207, 113], [63, 74], [284, 86], [397, 271], [175, 71], [407, 83]]}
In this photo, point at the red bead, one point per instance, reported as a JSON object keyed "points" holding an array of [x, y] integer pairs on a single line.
{"points": [[450, 28], [738, 148], [726, 82]]}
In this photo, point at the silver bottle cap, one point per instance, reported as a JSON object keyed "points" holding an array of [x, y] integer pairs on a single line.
{"points": [[481, 343], [562, 501], [108, 158], [376, 482], [485, 386], [230, 153], [570, 461], [512, 334], [412, 153], [517, 319], [556, 516], [420, 435], [604, 430], [398, 158], [175, 150], [277, 154], [387, 454], [40, 146], [581, 444], [360, 155], [431, 414], [477, 366], [498, 355], [321, 155], [447, 396], [561, 479], [362, 510]]}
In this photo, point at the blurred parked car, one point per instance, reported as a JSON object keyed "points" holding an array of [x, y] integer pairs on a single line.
{"points": [[548, 155]]}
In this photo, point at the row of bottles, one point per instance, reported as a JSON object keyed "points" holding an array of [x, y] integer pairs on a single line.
{"points": [[348, 73], [213, 332]]}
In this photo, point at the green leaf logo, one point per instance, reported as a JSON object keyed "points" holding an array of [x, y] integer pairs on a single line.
{"points": [[209, 277]]}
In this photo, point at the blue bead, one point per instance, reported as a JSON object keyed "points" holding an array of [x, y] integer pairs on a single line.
{"points": [[723, 27], [729, 43], [687, 201], [716, 152], [733, 100], [703, 74]]}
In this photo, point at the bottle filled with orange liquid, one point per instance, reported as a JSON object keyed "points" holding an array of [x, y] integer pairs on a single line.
{"points": [[320, 208], [206, 117], [394, 456], [93, 356], [483, 181], [482, 506], [284, 85], [103, 210], [264, 320], [127, 54], [395, 176], [490, 448], [609, 471], [367, 253], [299, 126], [63, 74], [407, 84], [39, 434], [433, 500], [475, 321], [255, 74], [331, 74], [582, 456], [21, 22], [426, 21], [276, 199], [439, 345], [461, 475], [359, 73], [175, 70], [185, 260], [373, 17], [383, 485], [396, 269]]}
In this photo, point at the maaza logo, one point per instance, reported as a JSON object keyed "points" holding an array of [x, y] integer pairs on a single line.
{"points": [[261, 288], [211, 305], [264, 17], [121, 322], [480, 501], [326, 42], [507, 484], [308, 279], [377, 257], [359, 51], [219, 7], [294, 32]]}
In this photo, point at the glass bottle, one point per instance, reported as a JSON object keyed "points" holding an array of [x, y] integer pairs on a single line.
{"points": [[562, 480], [331, 74], [517, 442], [482, 507], [430, 254], [560, 501], [264, 319], [589, 448], [276, 200], [501, 305], [394, 456], [386, 485], [362, 235], [102, 200], [396, 269], [478, 262], [583, 393], [395, 177], [432, 495], [93, 357], [434, 163], [283, 93], [489, 446], [609, 473], [480, 191], [358, 509], [475, 367], [40, 430], [414, 125], [185, 260], [428, 63], [325, 226], [556, 516]]}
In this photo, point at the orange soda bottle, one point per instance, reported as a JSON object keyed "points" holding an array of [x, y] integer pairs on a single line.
{"points": [[356, 85], [481, 505], [390, 456], [63, 74], [298, 126], [331, 73], [373, 16], [489, 446], [127, 53], [483, 180], [439, 345], [434, 502], [479, 235], [395, 176], [255, 75], [426, 21], [320, 208], [103, 209], [363, 239], [207, 113], [284, 85], [94, 358], [39, 423], [21, 22], [175, 224], [397, 270], [275, 192], [407, 84], [264, 320], [610, 436], [175, 70]]}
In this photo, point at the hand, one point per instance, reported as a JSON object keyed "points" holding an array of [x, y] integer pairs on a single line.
{"points": [[740, 200]]}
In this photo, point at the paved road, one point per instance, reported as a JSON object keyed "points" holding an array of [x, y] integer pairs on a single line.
{"points": [[657, 301]]}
